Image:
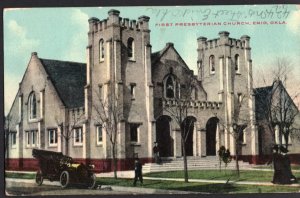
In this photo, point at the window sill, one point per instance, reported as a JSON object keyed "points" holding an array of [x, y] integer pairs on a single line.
{"points": [[131, 60], [238, 73], [135, 144], [100, 144], [78, 145], [101, 61], [13, 146], [34, 120], [52, 146]]}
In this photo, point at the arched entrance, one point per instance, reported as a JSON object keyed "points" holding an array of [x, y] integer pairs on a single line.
{"points": [[163, 136], [188, 126], [211, 129]]}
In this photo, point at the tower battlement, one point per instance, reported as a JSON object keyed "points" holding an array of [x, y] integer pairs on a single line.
{"points": [[224, 39], [115, 20]]}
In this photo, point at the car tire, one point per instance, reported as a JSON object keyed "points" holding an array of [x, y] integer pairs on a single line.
{"points": [[92, 181], [64, 179], [39, 178]]}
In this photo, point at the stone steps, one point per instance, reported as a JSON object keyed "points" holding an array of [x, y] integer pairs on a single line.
{"points": [[194, 163]]}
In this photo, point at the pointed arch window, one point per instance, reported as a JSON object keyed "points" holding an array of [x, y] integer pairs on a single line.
{"points": [[171, 87], [130, 48], [212, 67], [237, 63], [32, 106], [101, 50]]}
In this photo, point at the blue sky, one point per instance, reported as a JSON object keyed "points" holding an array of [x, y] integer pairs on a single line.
{"points": [[61, 33]]}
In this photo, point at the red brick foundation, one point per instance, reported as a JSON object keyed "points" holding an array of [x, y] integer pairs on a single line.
{"points": [[106, 165]]}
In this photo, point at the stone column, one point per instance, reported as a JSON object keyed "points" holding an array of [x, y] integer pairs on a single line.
{"points": [[218, 138], [59, 134], [177, 143], [121, 143], [84, 143], [195, 140], [203, 142]]}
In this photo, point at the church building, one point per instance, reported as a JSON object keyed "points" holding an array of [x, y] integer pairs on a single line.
{"points": [[60, 105]]}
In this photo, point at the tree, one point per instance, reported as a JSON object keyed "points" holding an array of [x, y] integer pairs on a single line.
{"points": [[178, 109], [76, 118], [276, 108], [109, 113], [239, 122]]}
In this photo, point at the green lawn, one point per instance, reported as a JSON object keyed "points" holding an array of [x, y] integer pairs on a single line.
{"points": [[20, 175], [245, 175], [200, 187]]}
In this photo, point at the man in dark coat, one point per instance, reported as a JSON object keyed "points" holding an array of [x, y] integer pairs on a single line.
{"points": [[138, 172], [156, 153]]}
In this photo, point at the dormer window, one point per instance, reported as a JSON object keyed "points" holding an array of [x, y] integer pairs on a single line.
{"points": [[212, 68], [101, 50], [130, 48], [237, 63], [32, 105]]}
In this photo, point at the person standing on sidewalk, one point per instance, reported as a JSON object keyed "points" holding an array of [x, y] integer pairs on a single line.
{"points": [[138, 172]]}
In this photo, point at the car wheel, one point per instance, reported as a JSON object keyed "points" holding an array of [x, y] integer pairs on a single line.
{"points": [[64, 179], [39, 178], [92, 181]]}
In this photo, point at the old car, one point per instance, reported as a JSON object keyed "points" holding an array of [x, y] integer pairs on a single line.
{"points": [[58, 167]]}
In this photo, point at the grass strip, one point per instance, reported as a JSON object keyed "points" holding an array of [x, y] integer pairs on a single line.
{"points": [[245, 175], [199, 187]]}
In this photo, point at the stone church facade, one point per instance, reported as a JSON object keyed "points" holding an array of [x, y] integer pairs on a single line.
{"points": [[56, 104]]}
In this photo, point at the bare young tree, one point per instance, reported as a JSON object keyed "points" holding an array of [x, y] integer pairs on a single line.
{"points": [[178, 108], [109, 113], [76, 118]]}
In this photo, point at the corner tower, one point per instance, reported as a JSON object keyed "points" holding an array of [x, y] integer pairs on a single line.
{"points": [[225, 70], [119, 53]]}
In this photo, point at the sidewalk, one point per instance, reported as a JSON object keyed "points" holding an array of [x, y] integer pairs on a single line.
{"points": [[129, 190]]}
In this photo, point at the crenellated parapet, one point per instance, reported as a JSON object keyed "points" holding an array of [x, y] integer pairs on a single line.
{"points": [[193, 104], [114, 19], [224, 39]]}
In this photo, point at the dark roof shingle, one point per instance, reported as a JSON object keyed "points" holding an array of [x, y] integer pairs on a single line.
{"points": [[69, 79]]}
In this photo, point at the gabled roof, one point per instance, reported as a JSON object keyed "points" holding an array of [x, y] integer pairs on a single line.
{"points": [[157, 55], [263, 96], [69, 79]]}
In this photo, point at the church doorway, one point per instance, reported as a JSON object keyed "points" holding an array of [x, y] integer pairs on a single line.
{"points": [[211, 129], [188, 126], [163, 136]]}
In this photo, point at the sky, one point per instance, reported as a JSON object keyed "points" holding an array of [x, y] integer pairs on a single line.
{"points": [[61, 34]]}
